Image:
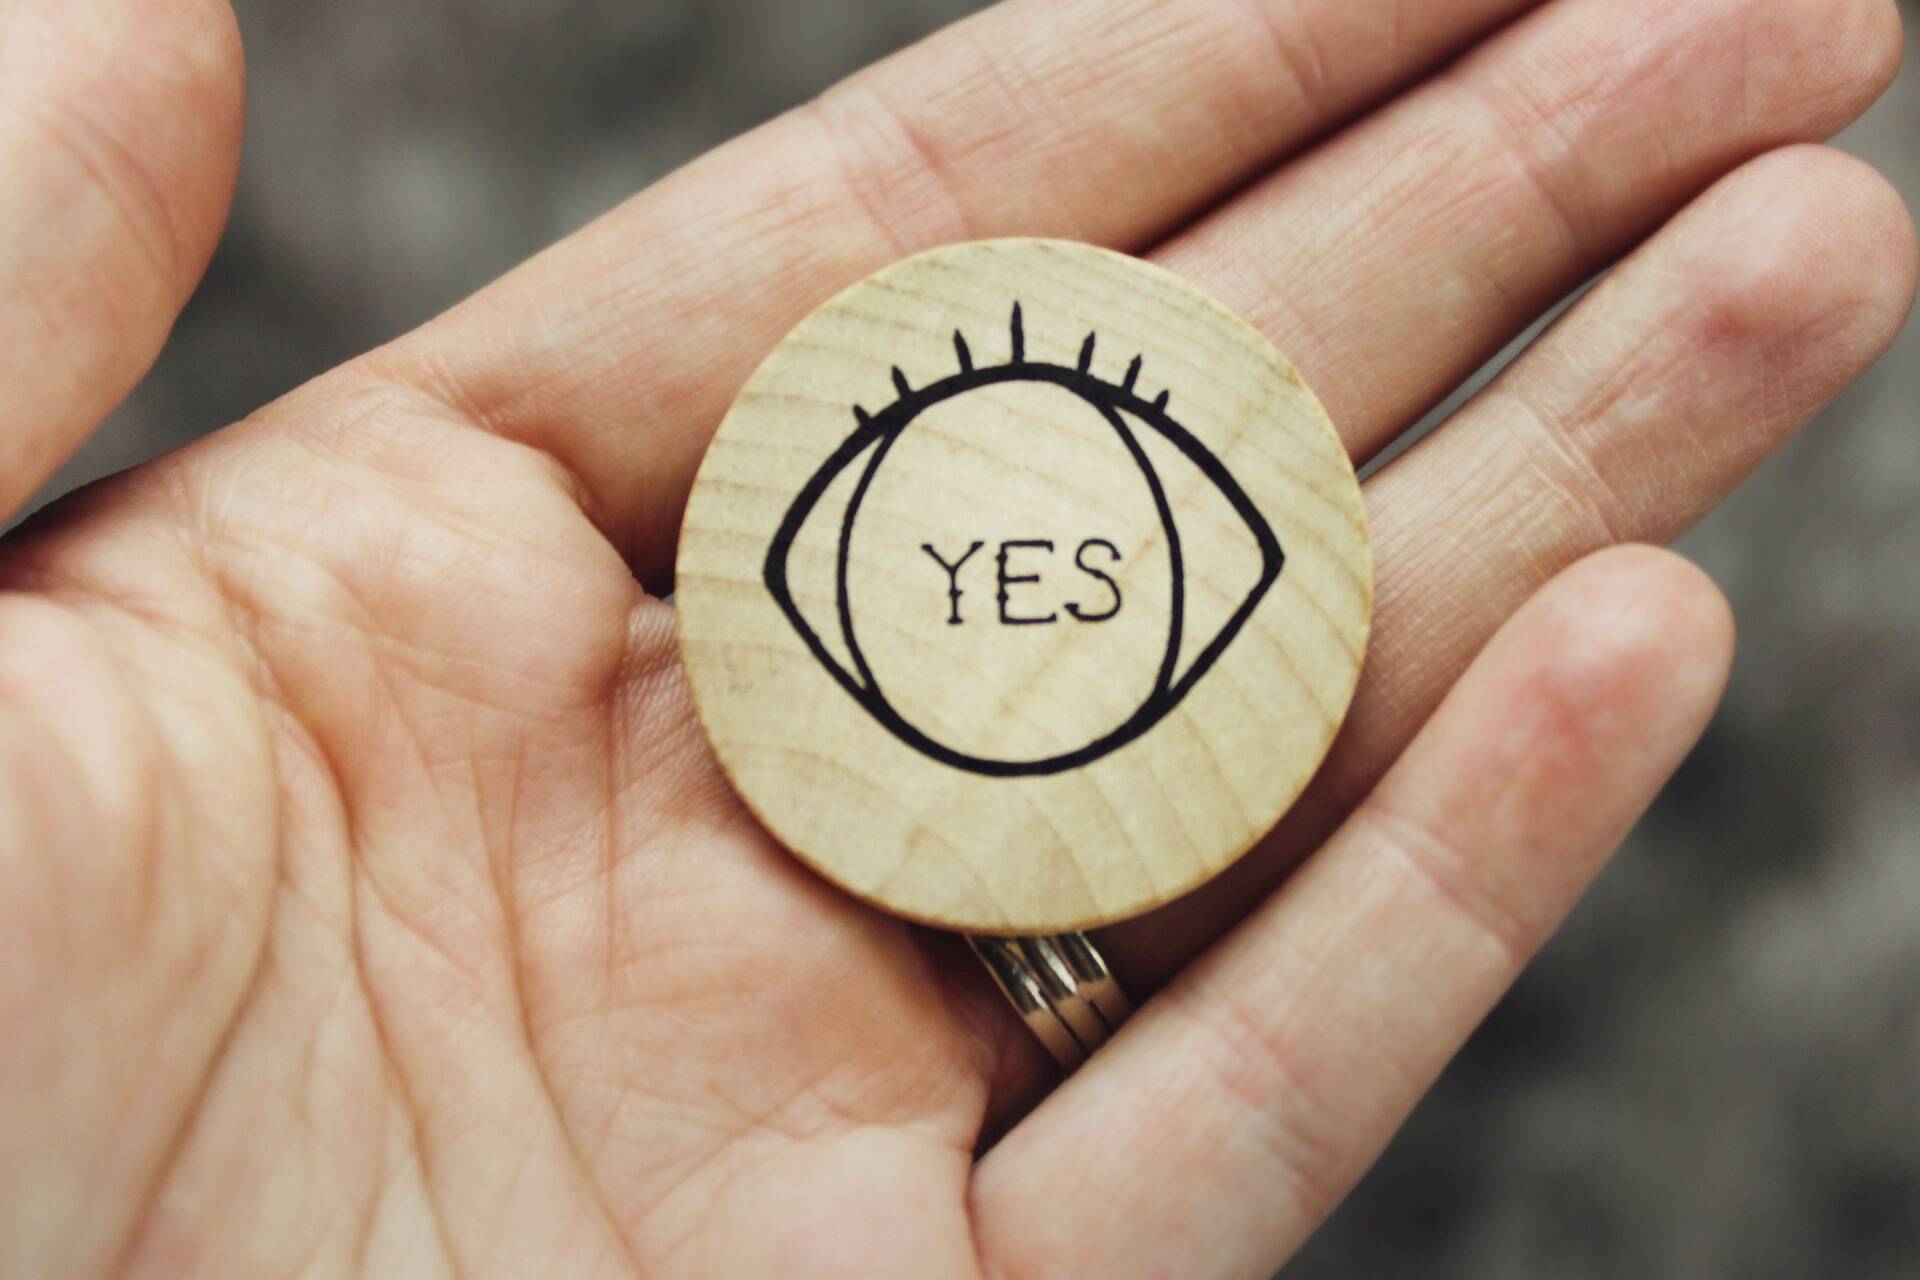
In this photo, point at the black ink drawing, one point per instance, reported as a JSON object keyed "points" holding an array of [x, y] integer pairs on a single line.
{"points": [[876, 434], [1004, 580]]}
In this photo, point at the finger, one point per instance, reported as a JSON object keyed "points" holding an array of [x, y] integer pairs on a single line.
{"points": [[1479, 223], [1392, 263], [119, 137], [1239, 1106], [618, 350], [1628, 421]]}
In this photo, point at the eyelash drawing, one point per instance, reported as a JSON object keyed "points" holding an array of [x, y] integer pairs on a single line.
{"points": [[1119, 403]]}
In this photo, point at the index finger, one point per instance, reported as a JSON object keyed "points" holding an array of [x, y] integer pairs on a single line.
{"points": [[618, 350]]}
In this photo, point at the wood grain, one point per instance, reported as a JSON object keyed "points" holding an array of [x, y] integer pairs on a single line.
{"points": [[1023, 588]]}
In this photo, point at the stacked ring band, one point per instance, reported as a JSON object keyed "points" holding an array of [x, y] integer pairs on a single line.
{"points": [[1061, 989]]}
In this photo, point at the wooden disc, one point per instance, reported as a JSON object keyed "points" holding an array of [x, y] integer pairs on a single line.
{"points": [[1023, 588]]}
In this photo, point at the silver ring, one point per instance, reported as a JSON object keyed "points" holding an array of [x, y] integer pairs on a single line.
{"points": [[1061, 989]]}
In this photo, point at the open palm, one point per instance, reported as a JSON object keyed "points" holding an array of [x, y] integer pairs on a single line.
{"points": [[369, 901]]}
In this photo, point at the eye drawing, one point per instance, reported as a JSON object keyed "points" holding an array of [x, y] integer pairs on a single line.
{"points": [[1120, 405]]}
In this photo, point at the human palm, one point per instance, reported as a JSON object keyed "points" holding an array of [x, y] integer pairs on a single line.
{"points": [[372, 902]]}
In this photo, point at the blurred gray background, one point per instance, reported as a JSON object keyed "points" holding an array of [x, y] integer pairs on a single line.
{"points": [[1715, 1070]]}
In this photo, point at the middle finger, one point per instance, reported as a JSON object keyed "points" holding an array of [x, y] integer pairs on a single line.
{"points": [[1395, 260]]}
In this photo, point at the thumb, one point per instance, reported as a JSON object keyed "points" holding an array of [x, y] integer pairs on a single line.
{"points": [[120, 136]]}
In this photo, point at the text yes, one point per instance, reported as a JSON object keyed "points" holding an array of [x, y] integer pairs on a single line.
{"points": [[1034, 552]]}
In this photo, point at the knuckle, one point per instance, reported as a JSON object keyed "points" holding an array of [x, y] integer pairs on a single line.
{"points": [[1446, 871], [1275, 1096], [893, 169]]}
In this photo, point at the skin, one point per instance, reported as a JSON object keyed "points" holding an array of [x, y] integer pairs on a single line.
{"points": [[372, 905]]}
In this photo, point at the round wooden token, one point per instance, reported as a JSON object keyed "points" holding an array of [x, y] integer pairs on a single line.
{"points": [[1023, 588]]}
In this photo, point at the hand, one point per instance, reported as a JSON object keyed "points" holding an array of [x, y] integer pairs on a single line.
{"points": [[372, 904]]}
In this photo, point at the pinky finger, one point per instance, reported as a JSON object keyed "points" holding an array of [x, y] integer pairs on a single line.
{"points": [[1231, 1116]]}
